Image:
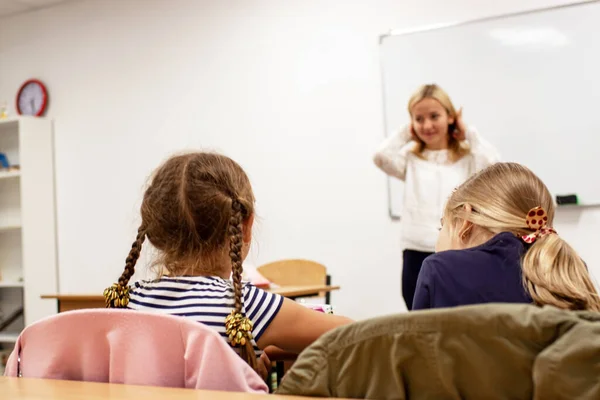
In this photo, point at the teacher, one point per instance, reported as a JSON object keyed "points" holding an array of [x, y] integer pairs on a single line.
{"points": [[433, 154]]}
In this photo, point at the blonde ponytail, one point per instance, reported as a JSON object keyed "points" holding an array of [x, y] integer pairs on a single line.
{"points": [[554, 274], [507, 197]]}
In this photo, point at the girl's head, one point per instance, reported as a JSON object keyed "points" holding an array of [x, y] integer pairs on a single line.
{"points": [[433, 120], [198, 213], [499, 199]]}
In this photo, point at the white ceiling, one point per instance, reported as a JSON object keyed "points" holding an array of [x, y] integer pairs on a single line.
{"points": [[10, 7]]}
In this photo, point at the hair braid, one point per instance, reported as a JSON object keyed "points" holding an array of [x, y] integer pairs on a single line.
{"points": [[238, 326], [235, 253], [117, 296]]}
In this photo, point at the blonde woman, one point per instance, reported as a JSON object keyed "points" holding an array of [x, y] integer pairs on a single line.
{"points": [[434, 154], [497, 245]]}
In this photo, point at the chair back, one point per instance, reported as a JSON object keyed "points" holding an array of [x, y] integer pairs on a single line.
{"points": [[294, 272], [130, 347]]}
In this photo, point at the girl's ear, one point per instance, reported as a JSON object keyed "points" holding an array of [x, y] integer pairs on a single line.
{"points": [[466, 227], [247, 228], [464, 232]]}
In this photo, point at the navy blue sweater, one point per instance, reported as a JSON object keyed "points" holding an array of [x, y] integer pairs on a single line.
{"points": [[489, 273]]}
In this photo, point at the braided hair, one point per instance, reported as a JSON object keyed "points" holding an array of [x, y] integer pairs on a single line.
{"points": [[117, 296], [238, 326], [194, 213]]}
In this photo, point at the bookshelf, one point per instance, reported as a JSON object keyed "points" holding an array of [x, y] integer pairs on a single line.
{"points": [[28, 255]]}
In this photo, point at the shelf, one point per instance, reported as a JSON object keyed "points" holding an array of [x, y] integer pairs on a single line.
{"points": [[15, 120], [9, 125], [9, 228], [9, 120], [27, 221], [9, 284], [8, 337], [10, 174]]}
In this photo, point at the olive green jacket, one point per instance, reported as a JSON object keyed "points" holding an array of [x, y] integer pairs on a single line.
{"points": [[493, 351]]}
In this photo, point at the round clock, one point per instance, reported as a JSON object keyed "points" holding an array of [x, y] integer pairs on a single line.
{"points": [[32, 98]]}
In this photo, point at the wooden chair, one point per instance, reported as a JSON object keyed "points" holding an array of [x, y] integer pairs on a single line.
{"points": [[293, 273], [297, 273]]}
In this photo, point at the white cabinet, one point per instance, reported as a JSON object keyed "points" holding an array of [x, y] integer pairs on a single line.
{"points": [[28, 254]]}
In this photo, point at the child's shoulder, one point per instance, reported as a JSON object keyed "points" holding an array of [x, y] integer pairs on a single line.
{"points": [[503, 245], [182, 282], [454, 265], [457, 259], [194, 284], [449, 259], [252, 290]]}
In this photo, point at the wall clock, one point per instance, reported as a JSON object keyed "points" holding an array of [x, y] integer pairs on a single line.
{"points": [[32, 98]]}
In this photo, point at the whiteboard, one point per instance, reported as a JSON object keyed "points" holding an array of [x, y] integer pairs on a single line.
{"points": [[529, 83]]}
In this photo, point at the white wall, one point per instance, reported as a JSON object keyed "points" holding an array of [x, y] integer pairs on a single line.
{"points": [[290, 89]]}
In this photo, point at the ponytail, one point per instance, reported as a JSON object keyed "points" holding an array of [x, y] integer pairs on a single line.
{"points": [[508, 197], [554, 274]]}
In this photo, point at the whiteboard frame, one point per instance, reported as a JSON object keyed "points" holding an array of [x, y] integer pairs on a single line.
{"points": [[445, 25]]}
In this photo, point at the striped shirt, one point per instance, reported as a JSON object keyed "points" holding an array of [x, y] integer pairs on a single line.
{"points": [[206, 299]]}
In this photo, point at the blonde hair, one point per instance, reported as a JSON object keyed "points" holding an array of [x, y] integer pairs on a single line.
{"points": [[500, 197], [432, 91]]}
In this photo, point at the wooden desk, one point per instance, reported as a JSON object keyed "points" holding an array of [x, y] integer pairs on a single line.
{"points": [[47, 389], [69, 302], [303, 291]]}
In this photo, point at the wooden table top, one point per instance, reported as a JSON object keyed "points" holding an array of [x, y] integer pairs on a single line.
{"points": [[293, 291], [286, 291], [47, 389], [74, 297]]}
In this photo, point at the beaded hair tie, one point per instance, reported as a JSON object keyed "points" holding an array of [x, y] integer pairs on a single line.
{"points": [[116, 296], [238, 328]]}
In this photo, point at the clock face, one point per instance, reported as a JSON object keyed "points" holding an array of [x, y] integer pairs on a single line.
{"points": [[31, 99]]}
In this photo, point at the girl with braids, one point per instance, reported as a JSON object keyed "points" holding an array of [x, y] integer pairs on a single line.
{"points": [[497, 244], [198, 213]]}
